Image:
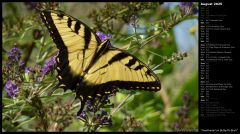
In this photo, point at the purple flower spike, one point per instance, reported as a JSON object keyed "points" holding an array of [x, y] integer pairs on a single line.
{"points": [[176, 125], [186, 4], [14, 55], [106, 120], [28, 70], [11, 88], [179, 113], [21, 66], [49, 65], [185, 7], [103, 36], [186, 97], [83, 115]]}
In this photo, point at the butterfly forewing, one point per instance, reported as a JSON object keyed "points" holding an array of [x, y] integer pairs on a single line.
{"points": [[76, 42]]}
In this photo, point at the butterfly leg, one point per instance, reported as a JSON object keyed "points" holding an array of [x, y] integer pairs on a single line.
{"points": [[83, 101]]}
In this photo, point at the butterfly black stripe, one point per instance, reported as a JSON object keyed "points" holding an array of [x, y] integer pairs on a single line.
{"points": [[77, 27], [117, 57], [69, 22], [100, 52], [153, 86], [139, 67], [148, 72], [59, 15], [87, 37], [131, 62], [51, 27]]}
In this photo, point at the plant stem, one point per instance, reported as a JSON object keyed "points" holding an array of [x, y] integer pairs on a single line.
{"points": [[29, 52], [158, 66], [118, 107], [120, 12]]}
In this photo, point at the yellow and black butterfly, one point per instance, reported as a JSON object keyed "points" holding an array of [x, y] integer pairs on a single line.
{"points": [[90, 67]]}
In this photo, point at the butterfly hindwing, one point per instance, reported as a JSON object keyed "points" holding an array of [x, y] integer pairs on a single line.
{"points": [[116, 68]]}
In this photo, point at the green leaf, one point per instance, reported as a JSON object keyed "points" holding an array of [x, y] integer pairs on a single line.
{"points": [[131, 98], [7, 101], [26, 75], [191, 86], [25, 120], [130, 37], [53, 97], [14, 105], [25, 32], [159, 71]]}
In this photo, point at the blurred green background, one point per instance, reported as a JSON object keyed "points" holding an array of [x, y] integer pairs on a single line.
{"points": [[144, 111]]}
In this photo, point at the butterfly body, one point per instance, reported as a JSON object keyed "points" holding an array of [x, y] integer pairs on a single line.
{"points": [[91, 67]]}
